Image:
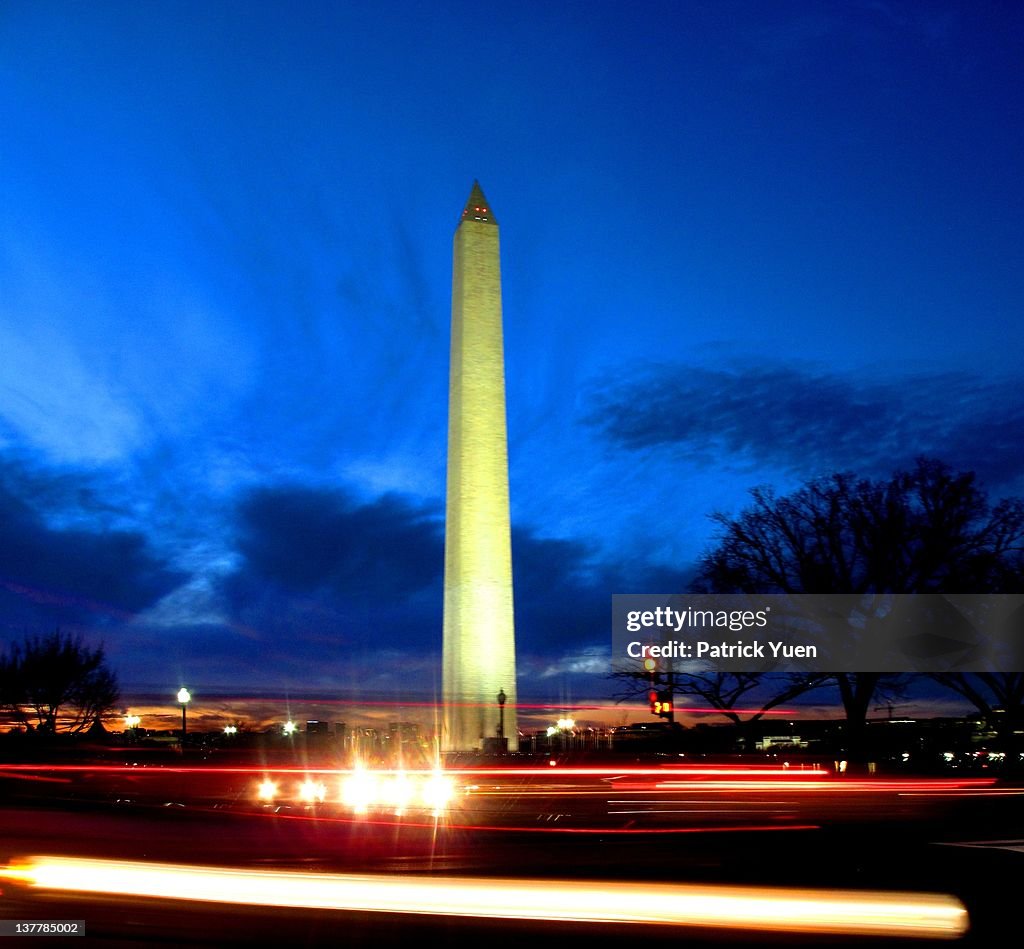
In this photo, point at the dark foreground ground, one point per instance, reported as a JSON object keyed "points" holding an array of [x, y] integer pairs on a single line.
{"points": [[601, 826]]}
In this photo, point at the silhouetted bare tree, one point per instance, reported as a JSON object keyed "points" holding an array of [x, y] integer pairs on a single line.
{"points": [[56, 683], [927, 530]]}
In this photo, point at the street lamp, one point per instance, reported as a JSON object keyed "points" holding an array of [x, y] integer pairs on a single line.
{"points": [[184, 697], [502, 698], [289, 728]]}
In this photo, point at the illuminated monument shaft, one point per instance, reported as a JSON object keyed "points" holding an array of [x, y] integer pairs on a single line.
{"points": [[479, 635]]}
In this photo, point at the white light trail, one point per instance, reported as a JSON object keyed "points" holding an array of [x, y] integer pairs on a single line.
{"points": [[860, 913]]}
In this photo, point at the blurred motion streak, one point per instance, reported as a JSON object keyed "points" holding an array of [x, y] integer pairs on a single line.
{"points": [[434, 825], [783, 776], [861, 913]]}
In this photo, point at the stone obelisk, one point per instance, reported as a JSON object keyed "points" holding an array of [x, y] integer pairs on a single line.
{"points": [[479, 634]]}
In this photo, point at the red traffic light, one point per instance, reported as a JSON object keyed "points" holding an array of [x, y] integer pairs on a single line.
{"points": [[662, 704]]}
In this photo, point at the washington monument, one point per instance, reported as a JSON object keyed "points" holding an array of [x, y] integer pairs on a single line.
{"points": [[479, 634]]}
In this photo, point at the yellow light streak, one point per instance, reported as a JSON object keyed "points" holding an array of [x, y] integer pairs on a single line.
{"points": [[860, 913]]}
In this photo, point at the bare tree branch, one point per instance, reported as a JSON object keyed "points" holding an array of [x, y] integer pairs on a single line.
{"points": [[56, 683]]}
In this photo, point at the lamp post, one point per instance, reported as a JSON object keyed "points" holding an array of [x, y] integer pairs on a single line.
{"points": [[184, 697], [501, 721]]}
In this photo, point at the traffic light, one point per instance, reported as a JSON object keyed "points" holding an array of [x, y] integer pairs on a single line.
{"points": [[661, 705]]}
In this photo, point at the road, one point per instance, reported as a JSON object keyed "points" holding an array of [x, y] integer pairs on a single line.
{"points": [[558, 839]]}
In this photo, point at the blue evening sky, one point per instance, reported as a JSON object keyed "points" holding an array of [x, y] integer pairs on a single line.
{"points": [[742, 244]]}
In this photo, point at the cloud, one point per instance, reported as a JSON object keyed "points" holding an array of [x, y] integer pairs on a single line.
{"points": [[54, 400], [323, 574], [72, 576], [314, 588], [326, 578], [304, 587], [308, 539], [592, 661], [808, 421], [553, 585], [563, 602]]}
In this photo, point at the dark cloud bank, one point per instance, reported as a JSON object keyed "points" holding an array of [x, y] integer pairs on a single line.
{"points": [[325, 590], [808, 422], [319, 567], [74, 578]]}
